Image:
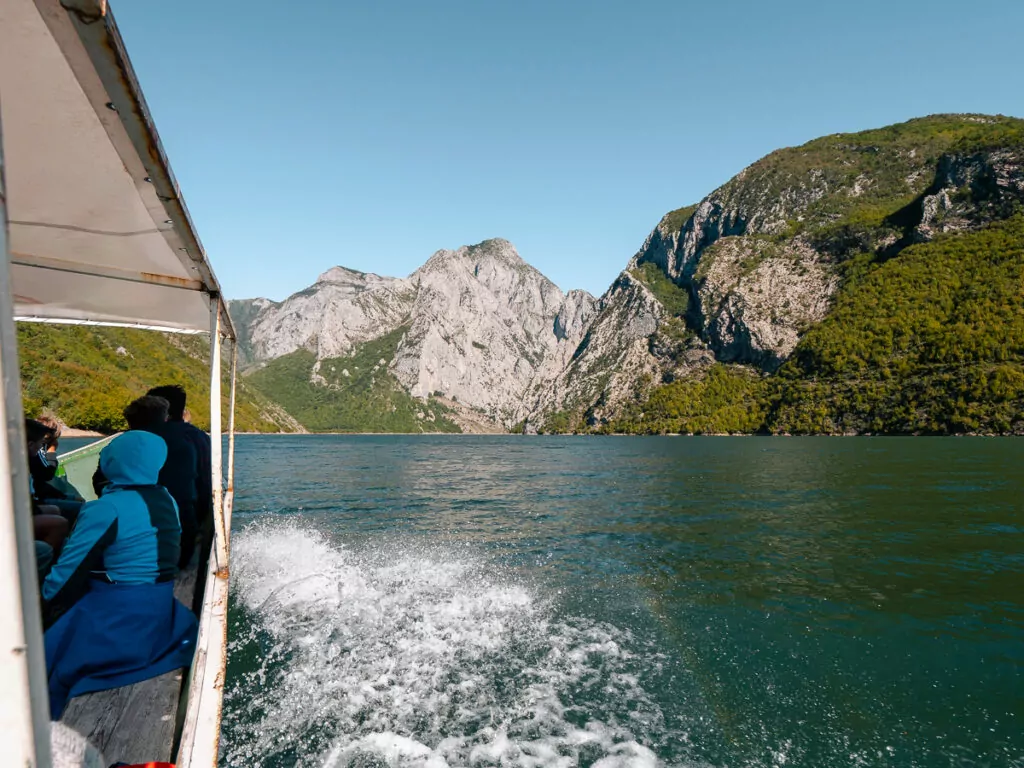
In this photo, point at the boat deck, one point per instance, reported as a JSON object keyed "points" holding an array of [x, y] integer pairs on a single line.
{"points": [[136, 723]]}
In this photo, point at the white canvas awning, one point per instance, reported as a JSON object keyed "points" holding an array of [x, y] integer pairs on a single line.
{"points": [[99, 232]]}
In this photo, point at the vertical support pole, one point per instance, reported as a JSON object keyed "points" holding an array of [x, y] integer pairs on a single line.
{"points": [[229, 501], [24, 710], [216, 444]]}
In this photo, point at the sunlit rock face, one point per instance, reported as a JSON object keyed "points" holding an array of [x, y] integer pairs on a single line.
{"points": [[481, 325]]}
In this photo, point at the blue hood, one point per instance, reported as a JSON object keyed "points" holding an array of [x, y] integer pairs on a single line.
{"points": [[134, 458]]}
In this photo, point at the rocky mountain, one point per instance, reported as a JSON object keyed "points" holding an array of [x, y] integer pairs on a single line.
{"points": [[865, 282], [341, 309], [477, 326], [740, 278]]}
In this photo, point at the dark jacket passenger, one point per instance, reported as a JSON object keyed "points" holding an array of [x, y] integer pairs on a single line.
{"points": [[48, 488], [43, 469], [204, 466], [176, 399], [180, 472], [180, 476]]}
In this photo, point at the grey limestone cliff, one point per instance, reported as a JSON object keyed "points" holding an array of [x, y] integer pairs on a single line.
{"points": [[483, 324], [341, 309], [602, 372], [482, 327]]}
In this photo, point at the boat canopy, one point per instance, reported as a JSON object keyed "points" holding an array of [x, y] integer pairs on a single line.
{"points": [[98, 231], [93, 230]]}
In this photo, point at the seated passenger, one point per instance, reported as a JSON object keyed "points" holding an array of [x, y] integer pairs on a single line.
{"points": [[174, 394], [178, 474], [47, 523], [43, 462], [117, 574], [48, 487]]}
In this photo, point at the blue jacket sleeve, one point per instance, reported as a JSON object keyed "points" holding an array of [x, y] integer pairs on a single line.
{"points": [[94, 531]]}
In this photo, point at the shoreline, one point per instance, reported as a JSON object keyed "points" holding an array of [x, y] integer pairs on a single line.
{"points": [[619, 434], [72, 432]]}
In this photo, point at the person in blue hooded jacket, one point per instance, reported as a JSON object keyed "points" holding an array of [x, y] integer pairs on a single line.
{"points": [[115, 581]]}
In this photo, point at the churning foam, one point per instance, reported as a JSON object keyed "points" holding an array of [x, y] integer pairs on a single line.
{"points": [[420, 659]]}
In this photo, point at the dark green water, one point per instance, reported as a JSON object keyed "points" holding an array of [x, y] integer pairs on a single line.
{"points": [[610, 602]]}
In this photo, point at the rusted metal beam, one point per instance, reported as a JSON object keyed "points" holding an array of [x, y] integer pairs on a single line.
{"points": [[112, 273], [105, 324]]}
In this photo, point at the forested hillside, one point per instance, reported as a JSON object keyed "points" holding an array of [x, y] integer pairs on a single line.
{"points": [[86, 375], [931, 342], [353, 393]]}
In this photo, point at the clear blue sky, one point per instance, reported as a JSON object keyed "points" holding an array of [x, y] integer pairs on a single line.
{"points": [[371, 134]]}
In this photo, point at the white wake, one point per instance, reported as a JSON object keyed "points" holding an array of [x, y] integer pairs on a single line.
{"points": [[425, 659]]}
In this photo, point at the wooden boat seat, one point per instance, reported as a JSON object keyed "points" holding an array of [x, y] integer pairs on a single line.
{"points": [[137, 723]]}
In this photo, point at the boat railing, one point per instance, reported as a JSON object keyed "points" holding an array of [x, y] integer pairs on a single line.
{"points": [[78, 466]]}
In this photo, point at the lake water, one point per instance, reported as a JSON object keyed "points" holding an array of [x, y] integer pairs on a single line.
{"points": [[613, 602]]}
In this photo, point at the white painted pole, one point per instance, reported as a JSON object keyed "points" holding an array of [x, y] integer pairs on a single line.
{"points": [[220, 544], [229, 499], [200, 737], [24, 704]]}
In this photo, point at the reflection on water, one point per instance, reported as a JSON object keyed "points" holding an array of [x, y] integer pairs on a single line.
{"points": [[782, 601]]}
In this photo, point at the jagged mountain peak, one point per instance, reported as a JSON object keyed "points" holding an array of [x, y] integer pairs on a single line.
{"points": [[579, 294], [351, 280], [495, 248], [339, 274], [487, 254], [497, 267]]}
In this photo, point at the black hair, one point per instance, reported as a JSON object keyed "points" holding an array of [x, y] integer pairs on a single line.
{"points": [[146, 412], [36, 430], [174, 394]]}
